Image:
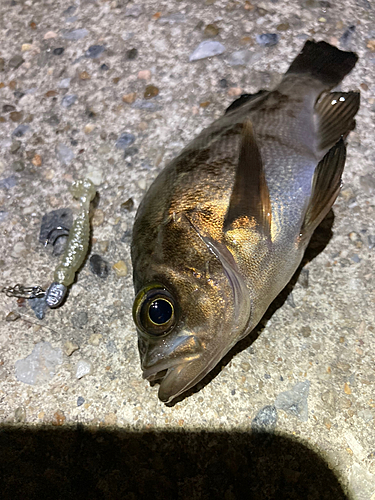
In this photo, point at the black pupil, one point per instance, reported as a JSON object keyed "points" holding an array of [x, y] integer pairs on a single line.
{"points": [[160, 311]]}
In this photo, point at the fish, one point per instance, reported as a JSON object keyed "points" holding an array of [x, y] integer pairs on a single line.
{"points": [[223, 228]]}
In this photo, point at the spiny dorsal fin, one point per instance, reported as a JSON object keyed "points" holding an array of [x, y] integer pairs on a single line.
{"points": [[250, 196], [335, 116], [243, 99], [325, 188]]}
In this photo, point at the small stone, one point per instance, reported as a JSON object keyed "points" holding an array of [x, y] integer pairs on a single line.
{"points": [[223, 83], [94, 51], [124, 141], [133, 11], [12, 316], [211, 30], [18, 166], [53, 120], [111, 347], [50, 34], [16, 61], [58, 51], [19, 250], [99, 266], [79, 319], [68, 100], [15, 146], [25, 47], [84, 75], [150, 91], [347, 388], [127, 205], [322, 20], [207, 48], [306, 331], [89, 128], [283, 27], [64, 154], [146, 105], [20, 131], [70, 347], [37, 160], [144, 74], [294, 402], [120, 268], [267, 39], [371, 45], [98, 218], [58, 418], [7, 108], [347, 35], [61, 218], [95, 174], [129, 98], [40, 366], [75, 34], [80, 401], [303, 279], [110, 419], [245, 366], [265, 420], [51, 93], [176, 17], [241, 57], [95, 339], [20, 415], [132, 54], [104, 67], [83, 368], [12, 84], [234, 91]]}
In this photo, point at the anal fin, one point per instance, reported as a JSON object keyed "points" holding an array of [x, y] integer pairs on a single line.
{"points": [[250, 196], [325, 188]]}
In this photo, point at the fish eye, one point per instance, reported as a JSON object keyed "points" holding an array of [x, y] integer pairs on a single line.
{"points": [[154, 310]]}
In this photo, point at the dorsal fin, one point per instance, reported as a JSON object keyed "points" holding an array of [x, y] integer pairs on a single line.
{"points": [[243, 99], [325, 188], [250, 196]]}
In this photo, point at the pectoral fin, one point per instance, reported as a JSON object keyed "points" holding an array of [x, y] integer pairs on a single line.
{"points": [[335, 117], [325, 188], [250, 196]]}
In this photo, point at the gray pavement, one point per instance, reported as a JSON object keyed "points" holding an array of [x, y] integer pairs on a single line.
{"points": [[124, 71]]}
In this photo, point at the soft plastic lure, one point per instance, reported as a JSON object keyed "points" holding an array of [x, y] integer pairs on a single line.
{"points": [[77, 245], [73, 257]]}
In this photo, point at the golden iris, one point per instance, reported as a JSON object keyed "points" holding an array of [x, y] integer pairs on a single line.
{"points": [[154, 310]]}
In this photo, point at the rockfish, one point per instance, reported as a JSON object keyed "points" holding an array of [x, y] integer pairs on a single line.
{"points": [[224, 226]]}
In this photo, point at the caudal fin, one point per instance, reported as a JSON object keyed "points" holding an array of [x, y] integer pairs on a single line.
{"points": [[323, 62]]}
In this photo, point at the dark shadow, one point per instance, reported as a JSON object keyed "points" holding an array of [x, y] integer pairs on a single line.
{"points": [[92, 463], [318, 242]]}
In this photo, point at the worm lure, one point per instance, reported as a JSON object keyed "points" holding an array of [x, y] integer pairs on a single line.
{"points": [[73, 257]]}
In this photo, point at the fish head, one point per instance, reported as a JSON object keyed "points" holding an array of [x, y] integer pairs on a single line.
{"points": [[191, 307]]}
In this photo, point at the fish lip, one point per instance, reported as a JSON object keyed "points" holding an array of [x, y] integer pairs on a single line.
{"points": [[158, 371]]}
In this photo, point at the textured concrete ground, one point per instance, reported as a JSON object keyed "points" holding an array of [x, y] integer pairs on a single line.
{"points": [[105, 90]]}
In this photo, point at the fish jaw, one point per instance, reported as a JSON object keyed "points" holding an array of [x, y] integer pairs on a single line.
{"points": [[179, 364]]}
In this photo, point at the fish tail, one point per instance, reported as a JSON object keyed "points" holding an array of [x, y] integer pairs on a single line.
{"points": [[323, 62]]}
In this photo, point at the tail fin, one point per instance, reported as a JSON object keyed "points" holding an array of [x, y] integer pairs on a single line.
{"points": [[323, 62]]}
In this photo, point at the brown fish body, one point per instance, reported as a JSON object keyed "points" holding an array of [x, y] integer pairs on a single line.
{"points": [[223, 228]]}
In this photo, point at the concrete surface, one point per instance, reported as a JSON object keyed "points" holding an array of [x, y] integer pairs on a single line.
{"points": [[319, 344]]}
